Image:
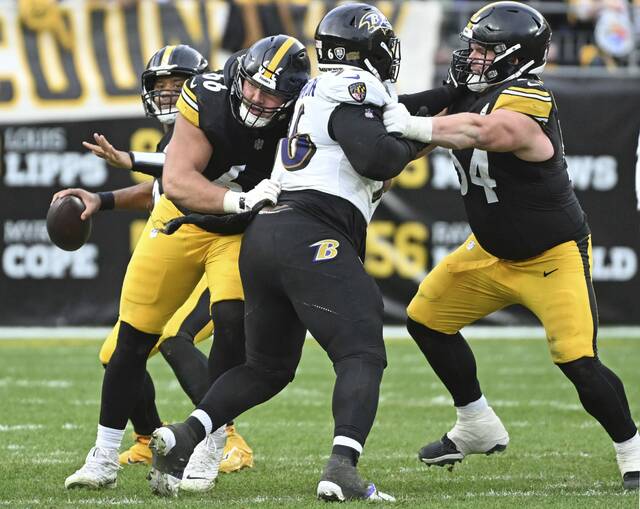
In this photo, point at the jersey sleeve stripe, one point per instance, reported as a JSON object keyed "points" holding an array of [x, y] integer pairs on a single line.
{"points": [[536, 108], [190, 113], [189, 99], [189, 92], [525, 94], [535, 91], [282, 51]]}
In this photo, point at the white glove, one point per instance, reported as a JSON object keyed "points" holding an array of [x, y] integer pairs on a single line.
{"points": [[234, 202], [398, 120]]}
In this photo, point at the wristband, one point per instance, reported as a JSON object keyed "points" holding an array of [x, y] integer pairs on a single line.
{"points": [[107, 200], [419, 129]]}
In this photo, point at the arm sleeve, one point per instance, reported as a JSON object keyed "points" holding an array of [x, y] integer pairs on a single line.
{"points": [[371, 150], [434, 100], [150, 163]]}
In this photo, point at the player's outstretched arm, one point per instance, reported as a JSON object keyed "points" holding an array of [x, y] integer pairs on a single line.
{"points": [[500, 131], [138, 197], [103, 149]]}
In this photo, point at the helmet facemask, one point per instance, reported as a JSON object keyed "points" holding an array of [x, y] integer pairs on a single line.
{"points": [[251, 114], [480, 73], [161, 103]]}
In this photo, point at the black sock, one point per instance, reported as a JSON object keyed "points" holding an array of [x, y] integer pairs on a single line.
{"points": [[355, 395], [144, 417], [124, 376], [602, 395], [347, 452], [227, 350], [189, 364], [196, 428], [452, 360]]}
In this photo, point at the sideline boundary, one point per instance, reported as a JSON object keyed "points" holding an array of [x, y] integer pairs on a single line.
{"points": [[390, 332]]}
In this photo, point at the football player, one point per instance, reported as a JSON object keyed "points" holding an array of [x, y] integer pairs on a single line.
{"points": [[301, 261], [530, 241], [161, 83], [164, 270]]}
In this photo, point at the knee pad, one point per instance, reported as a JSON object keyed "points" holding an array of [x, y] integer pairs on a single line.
{"points": [[135, 342]]}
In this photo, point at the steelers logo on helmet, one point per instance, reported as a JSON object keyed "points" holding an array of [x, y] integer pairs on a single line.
{"points": [[179, 61], [358, 35], [267, 81], [505, 40]]}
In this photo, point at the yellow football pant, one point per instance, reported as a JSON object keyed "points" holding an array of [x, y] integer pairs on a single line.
{"points": [[470, 283], [170, 330], [164, 270]]}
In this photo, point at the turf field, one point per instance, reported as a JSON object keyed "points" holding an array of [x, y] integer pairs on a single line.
{"points": [[558, 456]]}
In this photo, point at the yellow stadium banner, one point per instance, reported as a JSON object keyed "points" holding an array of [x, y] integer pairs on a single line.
{"points": [[79, 59]]}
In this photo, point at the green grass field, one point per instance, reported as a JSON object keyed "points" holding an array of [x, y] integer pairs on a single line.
{"points": [[558, 456]]}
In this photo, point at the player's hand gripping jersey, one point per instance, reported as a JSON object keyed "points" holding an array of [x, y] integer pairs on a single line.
{"points": [[311, 158], [518, 209]]}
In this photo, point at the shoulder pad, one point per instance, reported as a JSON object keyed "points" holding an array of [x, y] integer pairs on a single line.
{"points": [[528, 96], [198, 91], [352, 87]]}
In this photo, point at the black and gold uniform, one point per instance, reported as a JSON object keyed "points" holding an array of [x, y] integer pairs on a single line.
{"points": [[518, 209], [530, 245], [193, 318], [165, 269], [241, 158]]}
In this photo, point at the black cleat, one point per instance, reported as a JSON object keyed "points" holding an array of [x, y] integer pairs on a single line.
{"points": [[631, 480], [171, 447], [340, 481], [440, 453]]}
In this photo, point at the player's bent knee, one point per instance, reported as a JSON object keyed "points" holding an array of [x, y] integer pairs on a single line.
{"points": [[581, 370], [134, 342], [423, 334]]}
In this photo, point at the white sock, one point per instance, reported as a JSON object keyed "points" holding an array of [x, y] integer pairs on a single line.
{"points": [[628, 445], [109, 438], [348, 442], [204, 419], [472, 409]]}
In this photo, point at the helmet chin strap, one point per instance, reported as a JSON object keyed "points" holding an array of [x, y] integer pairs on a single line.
{"points": [[251, 120], [167, 118]]}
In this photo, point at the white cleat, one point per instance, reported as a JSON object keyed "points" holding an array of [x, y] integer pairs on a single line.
{"points": [[628, 458], [100, 470], [481, 434], [201, 472]]}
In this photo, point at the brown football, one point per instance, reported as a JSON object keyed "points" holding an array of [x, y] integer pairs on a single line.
{"points": [[66, 229]]}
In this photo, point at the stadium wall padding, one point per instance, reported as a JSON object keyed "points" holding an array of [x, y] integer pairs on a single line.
{"points": [[88, 85]]}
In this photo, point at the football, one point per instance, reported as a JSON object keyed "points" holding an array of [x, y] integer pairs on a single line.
{"points": [[66, 229]]}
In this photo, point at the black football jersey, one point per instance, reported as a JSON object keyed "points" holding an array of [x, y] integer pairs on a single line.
{"points": [[518, 209], [241, 157], [164, 141]]}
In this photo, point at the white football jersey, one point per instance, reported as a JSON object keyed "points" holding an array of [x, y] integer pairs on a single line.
{"points": [[309, 158]]}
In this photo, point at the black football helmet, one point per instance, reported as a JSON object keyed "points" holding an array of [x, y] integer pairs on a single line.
{"points": [[181, 60], [517, 34], [360, 35], [278, 65]]}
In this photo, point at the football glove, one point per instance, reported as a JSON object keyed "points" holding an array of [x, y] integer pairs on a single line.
{"points": [[398, 120], [234, 202]]}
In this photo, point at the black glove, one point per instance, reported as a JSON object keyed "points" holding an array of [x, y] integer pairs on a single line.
{"points": [[457, 89], [225, 224]]}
